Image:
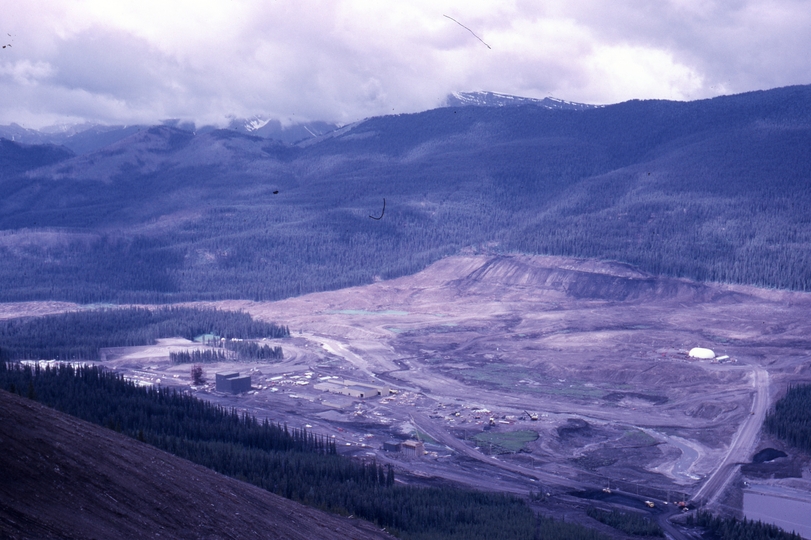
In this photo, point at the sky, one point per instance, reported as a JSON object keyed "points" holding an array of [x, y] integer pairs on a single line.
{"points": [[128, 62]]}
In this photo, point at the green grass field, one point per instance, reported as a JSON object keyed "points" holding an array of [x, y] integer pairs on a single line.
{"points": [[512, 441]]}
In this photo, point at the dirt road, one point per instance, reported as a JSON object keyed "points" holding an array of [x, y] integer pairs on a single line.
{"points": [[742, 443]]}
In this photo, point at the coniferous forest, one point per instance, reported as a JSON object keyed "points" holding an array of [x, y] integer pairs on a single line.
{"points": [[197, 356], [719, 528], [79, 335], [250, 350], [293, 463], [791, 418], [236, 350], [627, 522]]}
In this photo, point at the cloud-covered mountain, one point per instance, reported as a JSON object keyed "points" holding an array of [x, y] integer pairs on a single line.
{"points": [[79, 138], [87, 138], [273, 129], [713, 190], [347, 61]]}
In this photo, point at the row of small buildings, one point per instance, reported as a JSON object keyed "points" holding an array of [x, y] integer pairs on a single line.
{"points": [[232, 382], [353, 389]]}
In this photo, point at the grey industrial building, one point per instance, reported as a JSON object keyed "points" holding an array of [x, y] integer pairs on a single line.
{"points": [[410, 447], [232, 382], [414, 448], [391, 446]]}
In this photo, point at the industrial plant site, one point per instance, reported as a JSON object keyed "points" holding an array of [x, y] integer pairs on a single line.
{"points": [[567, 379]]}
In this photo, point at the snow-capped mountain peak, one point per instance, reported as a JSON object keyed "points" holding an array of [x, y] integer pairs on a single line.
{"points": [[255, 123], [494, 99]]}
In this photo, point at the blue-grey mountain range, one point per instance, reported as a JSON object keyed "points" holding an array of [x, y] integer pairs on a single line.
{"points": [[715, 190], [87, 138]]}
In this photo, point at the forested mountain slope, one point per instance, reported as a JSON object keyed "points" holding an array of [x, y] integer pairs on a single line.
{"points": [[713, 190]]}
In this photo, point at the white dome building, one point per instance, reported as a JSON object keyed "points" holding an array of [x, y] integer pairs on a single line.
{"points": [[703, 354]]}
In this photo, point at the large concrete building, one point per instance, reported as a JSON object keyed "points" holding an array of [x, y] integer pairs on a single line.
{"points": [[409, 447], [414, 448], [391, 446], [232, 382]]}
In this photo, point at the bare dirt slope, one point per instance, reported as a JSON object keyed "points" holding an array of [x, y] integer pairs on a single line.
{"points": [[569, 339], [65, 478]]}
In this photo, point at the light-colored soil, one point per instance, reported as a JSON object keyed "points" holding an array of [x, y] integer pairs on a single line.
{"points": [[12, 310]]}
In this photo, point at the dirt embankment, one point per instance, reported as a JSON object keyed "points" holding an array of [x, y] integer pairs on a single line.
{"points": [[65, 478]]}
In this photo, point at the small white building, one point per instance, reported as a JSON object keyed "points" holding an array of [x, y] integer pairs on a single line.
{"points": [[702, 354]]}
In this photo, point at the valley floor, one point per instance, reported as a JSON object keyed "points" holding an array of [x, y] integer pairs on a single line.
{"points": [[520, 373]]}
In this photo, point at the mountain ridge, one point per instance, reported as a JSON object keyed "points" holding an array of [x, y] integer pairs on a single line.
{"points": [[83, 138], [88, 138], [495, 99], [713, 190]]}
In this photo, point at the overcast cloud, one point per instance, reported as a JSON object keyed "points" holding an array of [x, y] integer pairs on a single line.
{"points": [[144, 61]]}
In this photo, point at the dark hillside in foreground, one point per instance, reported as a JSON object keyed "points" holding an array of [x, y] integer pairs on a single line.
{"points": [[714, 190], [65, 478]]}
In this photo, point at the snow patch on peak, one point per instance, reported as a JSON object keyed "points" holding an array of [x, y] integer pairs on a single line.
{"points": [[495, 99], [256, 123]]}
